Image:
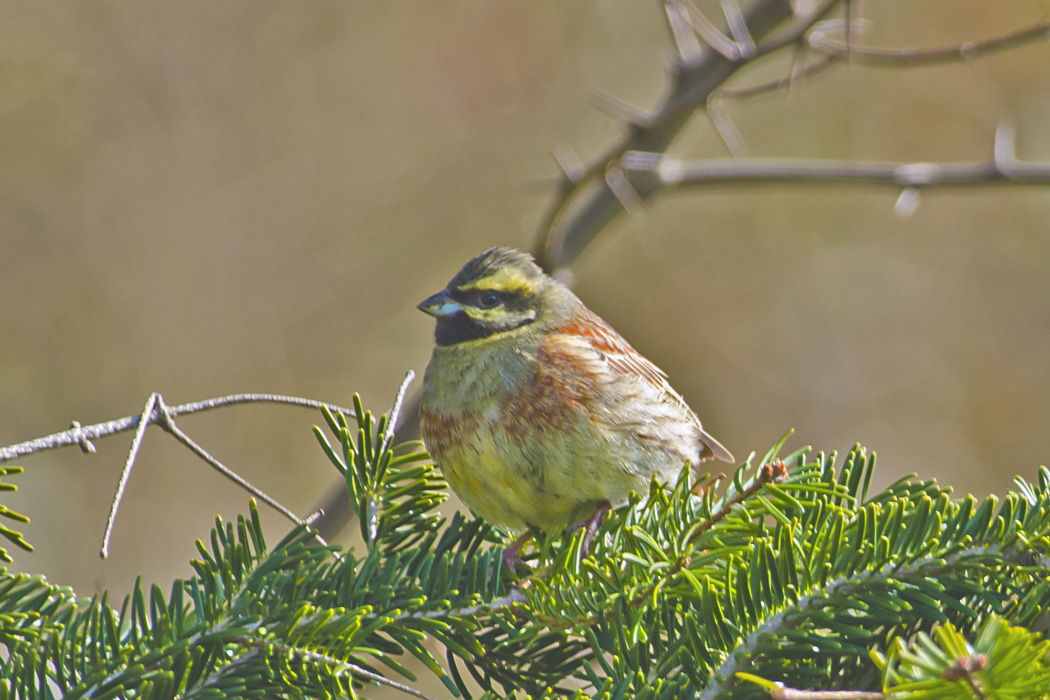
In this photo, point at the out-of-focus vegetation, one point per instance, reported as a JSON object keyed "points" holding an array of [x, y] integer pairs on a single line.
{"points": [[201, 198]]}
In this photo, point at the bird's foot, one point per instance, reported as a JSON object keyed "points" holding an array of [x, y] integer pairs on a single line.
{"points": [[512, 554], [591, 524]]}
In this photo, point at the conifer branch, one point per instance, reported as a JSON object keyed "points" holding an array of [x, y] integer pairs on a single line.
{"points": [[794, 576], [769, 473]]}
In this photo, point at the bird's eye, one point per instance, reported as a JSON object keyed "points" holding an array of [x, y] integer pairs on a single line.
{"points": [[488, 300]]}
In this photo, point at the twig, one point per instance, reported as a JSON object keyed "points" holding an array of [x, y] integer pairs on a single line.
{"points": [[168, 423], [798, 31], [156, 411], [568, 162], [86, 446], [620, 186], [514, 597], [834, 52], [81, 435], [872, 56], [1003, 168], [801, 71], [136, 443], [395, 411]]}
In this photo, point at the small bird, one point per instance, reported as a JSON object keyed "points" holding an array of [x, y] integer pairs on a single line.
{"points": [[538, 413]]}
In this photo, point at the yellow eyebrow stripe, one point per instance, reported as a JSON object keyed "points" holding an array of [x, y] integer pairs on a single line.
{"points": [[505, 280]]}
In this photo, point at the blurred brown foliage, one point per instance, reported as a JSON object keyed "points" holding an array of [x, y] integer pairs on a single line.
{"points": [[202, 198]]}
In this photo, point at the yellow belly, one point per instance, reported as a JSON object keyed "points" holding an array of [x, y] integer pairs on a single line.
{"points": [[545, 480]]}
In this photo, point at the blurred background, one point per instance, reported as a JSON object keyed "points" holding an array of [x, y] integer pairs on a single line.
{"points": [[203, 198]]}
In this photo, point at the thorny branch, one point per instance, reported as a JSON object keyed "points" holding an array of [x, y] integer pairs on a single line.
{"points": [[823, 43], [697, 73], [589, 196], [1002, 168]]}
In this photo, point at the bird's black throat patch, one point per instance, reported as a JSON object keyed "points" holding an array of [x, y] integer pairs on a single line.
{"points": [[460, 327]]}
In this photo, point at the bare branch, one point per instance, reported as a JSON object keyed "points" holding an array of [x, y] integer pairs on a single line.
{"points": [[798, 30], [156, 411], [86, 446], [582, 208], [168, 423], [1002, 169], [621, 187], [800, 72], [833, 52], [867, 55], [1003, 151], [78, 434], [795, 694]]}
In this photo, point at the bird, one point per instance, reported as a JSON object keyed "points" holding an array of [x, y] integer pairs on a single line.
{"points": [[538, 413]]}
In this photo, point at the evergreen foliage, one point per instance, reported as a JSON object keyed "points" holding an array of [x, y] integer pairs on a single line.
{"points": [[790, 573], [1003, 662], [12, 536]]}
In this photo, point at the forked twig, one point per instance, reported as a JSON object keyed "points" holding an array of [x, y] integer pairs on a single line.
{"points": [[82, 435], [156, 411]]}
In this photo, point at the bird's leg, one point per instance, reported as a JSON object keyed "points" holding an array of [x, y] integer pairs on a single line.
{"points": [[510, 554], [591, 524]]}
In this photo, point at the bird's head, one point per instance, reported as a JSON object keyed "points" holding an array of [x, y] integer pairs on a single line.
{"points": [[497, 292]]}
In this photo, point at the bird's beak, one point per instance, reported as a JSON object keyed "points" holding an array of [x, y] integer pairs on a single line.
{"points": [[439, 305]]}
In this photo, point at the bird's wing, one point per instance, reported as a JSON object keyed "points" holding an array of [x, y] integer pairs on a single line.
{"points": [[614, 350], [618, 354]]}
